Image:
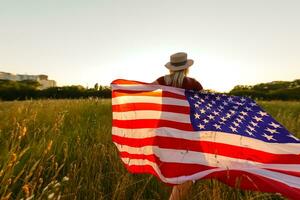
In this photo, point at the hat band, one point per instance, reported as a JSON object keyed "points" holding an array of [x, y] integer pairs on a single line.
{"points": [[179, 63]]}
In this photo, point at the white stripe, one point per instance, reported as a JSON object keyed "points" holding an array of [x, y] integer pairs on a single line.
{"points": [[152, 114], [150, 87], [207, 159], [286, 179], [210, 136], [149, 99]]}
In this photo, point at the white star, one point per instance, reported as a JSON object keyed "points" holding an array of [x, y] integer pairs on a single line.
{"points": [[271, 130], [199, 102], [241, 116], [225, 103], [262, 113], [251, 128], [201, 126], [292, 136], [247, 108], [236, 124], [239, 120], [221, 107], [221, 122], [192, 98], [211, 117], [206, 97], [233, 129], [240, 104], [217, 126], [213, 102], [216, 113], [244, 113], [218, 98], [230, 99], [235, 107], [207, 107], [249, 133], [228, 115], [202, 111], [202, 100], [196, 105], [205, 121], [223, 119], [253, 104], [274, 125], [243, 99], [232, 111], [269, 137], [196, 96], [197, 116], [253, 123], [258, 119]]}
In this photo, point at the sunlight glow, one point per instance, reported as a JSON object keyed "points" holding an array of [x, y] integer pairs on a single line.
{"points": [[216, 73]]}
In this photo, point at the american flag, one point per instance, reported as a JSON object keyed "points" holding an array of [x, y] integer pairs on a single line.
{"points": [[180, 135]]}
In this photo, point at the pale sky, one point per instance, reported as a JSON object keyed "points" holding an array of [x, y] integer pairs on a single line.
{"points": [[83, 42]]}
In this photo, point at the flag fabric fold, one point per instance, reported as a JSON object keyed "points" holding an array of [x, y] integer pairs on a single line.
{"points": [[180, 135]]}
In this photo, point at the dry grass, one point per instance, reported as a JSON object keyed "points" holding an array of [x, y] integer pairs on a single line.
{"points": [[62, 149]]}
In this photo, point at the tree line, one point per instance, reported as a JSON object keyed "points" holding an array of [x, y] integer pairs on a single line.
{"points": [[276, 90], [22, 90], [27, 89]]}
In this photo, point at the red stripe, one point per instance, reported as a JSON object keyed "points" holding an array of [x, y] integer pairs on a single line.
{"points": [[210, 147], [151, 123], [237, 179], [178, 169], [118, 93], [150, 106], [127, 82], [249, 181]]}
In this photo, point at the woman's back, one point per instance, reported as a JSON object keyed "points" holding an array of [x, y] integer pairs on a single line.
{"points": [[188, 83]]}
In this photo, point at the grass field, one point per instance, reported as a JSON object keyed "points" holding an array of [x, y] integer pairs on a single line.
{"points": [[62, 149]]}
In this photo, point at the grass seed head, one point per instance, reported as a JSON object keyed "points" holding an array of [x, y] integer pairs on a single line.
{"points": [[26, 190]]}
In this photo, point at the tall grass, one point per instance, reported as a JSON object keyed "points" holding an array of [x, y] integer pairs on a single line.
{"points": [[62, 149]]}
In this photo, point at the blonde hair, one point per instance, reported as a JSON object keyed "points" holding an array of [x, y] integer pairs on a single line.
{"points": [[175, 78]]}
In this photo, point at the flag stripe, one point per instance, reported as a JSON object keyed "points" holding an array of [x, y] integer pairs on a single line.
{"points": [[149, 88], [145, 99], [161, 156], [128, 82], [151, 123], [150, 106], [118, 93], [211, 148], [286, 179], [209, 136], [231, 178], [150, 114], [292, 173], [178, 169]]}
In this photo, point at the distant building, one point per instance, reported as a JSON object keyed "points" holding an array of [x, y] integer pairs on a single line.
{"points": [[42, 79]]}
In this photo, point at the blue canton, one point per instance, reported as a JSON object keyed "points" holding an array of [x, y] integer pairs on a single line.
{"points": [[235, 115]]}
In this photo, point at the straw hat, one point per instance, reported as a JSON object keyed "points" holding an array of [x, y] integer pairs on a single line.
{"points": [[179, 61]]}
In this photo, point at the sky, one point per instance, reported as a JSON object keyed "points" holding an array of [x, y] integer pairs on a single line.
{"points": [[232, 42]]}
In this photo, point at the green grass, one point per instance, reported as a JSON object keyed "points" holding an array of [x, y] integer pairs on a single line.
{"points": [[54, 149]]}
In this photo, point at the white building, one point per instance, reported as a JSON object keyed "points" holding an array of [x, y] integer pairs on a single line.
{"points": [[42, 79]]}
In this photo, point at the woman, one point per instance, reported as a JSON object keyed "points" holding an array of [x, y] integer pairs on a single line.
{"points": [[178, 67]]}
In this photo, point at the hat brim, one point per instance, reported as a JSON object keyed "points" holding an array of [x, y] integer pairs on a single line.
{"points": [[189, 63]]}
